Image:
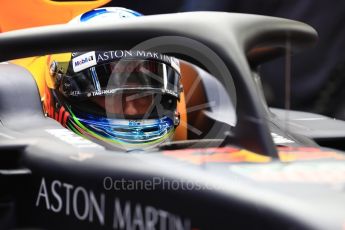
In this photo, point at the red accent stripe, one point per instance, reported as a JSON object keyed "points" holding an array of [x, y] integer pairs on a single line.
{"points": [[51, 111], [66, 115], [62, 110]]}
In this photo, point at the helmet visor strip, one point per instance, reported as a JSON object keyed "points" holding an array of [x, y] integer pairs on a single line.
{"points": [[119, 76]]}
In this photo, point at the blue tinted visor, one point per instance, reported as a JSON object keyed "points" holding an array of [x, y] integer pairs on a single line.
{"points": [[129, 131]]}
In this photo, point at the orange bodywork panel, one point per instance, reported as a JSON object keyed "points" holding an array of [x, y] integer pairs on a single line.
{"points": [[19, 14]]}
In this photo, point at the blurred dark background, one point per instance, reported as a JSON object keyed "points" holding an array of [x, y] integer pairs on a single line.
{"points": [[317, 74]]}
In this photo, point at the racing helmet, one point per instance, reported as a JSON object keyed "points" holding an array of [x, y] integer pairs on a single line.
{"points": [[125, 99]]}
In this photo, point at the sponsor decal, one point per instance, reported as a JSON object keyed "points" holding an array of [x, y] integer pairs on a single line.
{"points": [[106, 56], [168, 91], [278, 139], [217, 155], [175, 63], [118, 54], [84, 61], [87, 205], [104, 92], [135, 122], [71, 138], [75, 93], [289, 154], [235, 155], [113, 91], [81, 156], [330, 173]]}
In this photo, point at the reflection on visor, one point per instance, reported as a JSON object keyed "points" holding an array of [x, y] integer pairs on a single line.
{"points": [[118, 76], [129, 104]]}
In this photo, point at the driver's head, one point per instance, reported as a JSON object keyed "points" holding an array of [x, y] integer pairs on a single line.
{"points": [[125, 98]]}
